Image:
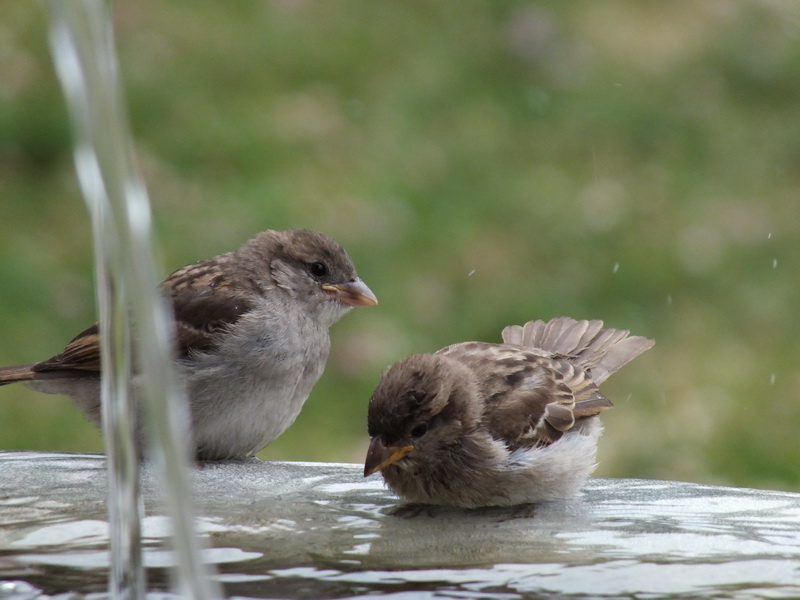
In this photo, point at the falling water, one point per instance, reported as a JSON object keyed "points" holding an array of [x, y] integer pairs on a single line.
{"points": [[83, 50]]}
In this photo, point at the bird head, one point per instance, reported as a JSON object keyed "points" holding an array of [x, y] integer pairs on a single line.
{"points": [[311, 268], [419, 408]]}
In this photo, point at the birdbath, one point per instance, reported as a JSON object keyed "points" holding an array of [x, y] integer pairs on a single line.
{"points": [[313, 530]]}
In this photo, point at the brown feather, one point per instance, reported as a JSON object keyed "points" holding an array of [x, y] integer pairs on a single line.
{"points": [[544, 378], [527, 401], [81, 354], [592, 406], [599, 351], [207, 297], [16, 373]]}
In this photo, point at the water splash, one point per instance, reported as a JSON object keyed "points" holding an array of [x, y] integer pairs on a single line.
{"points": [[83, 51]]}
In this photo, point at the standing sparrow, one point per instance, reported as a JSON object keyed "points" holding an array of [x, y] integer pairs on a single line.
{"points": [[478, 424], [252, 339]]}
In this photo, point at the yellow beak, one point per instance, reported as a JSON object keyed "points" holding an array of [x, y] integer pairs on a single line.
{"points": [[379, 456]]}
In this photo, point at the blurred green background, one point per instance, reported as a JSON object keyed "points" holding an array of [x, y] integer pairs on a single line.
{"points": [[485, 163]]}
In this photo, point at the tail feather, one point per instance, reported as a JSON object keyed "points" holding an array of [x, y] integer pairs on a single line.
{"points": [[571, 336], [600, 345], [619, 355], [523, 334], [601, 351], [589, 332], [16, 373]]}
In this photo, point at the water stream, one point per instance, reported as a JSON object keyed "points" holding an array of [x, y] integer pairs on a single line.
{"points": [[82, 45]]}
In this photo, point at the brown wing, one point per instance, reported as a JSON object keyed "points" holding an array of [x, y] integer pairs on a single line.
{"points": [[531, 399], [201, 315], [587, 344], [82, 354], [207, 297], [205, 301]]}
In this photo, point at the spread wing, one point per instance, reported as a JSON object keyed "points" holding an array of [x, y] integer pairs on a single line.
{"points": [[205, 299], [587, 344], [531, 398]]}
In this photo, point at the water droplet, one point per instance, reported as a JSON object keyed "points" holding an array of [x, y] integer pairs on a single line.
{"points": [[616, 268]]}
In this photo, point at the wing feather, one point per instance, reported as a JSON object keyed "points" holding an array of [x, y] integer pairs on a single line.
{"points": [[207, 297], [530, 399]]}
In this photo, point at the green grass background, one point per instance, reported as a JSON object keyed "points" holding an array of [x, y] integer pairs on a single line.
{"points": [[485, 163]]}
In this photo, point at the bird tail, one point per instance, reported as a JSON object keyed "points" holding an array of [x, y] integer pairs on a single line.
{"points": [[600, 351], [16, 373]]}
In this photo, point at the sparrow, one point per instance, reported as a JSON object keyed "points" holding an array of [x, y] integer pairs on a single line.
{"points": [[478, 424], [251, 331]]}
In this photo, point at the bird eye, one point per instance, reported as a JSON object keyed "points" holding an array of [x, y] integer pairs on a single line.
{"points": [[419, 430], [318, 269]]}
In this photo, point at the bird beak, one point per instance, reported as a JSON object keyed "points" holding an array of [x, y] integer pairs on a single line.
{"points": [[354, 293], [379, 456]]}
